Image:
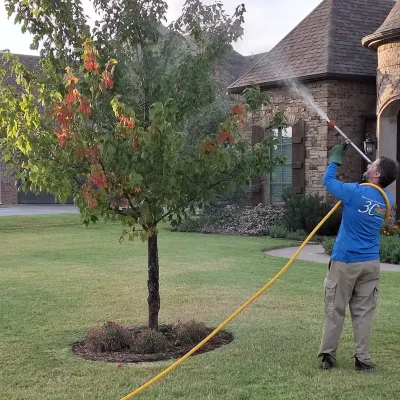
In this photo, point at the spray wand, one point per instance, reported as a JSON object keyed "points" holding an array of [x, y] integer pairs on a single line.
{"points": [[332, 124]]}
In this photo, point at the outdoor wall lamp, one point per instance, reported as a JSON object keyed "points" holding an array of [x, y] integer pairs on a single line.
{"points": [[370, 146]]}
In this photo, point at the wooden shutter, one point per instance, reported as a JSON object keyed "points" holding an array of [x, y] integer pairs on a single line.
{"points": [[257, 191], [298, 158]]}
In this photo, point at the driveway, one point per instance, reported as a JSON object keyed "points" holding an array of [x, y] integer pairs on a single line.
{"points": [[28, 209]]}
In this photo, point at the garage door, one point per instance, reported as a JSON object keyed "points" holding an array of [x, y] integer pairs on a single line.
{"points": [[32, 198]]}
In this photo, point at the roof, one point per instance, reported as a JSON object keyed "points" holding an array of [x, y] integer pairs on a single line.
{"points": [[325, 44], [254, 58], [32, 63], [231, 66], [390, 29]]}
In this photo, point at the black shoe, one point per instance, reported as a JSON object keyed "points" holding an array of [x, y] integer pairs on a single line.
{"points": [[327, 361], [361, 366]]}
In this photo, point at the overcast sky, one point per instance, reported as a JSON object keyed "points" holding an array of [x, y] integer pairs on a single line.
{"points": [[266, 23]]}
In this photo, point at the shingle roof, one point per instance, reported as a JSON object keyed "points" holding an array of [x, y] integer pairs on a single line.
{"points": [[326, 43], [32, 63], [254, 58], [231, 66], [390, 29]]}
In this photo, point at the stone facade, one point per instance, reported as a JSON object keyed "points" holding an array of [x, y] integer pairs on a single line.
{"points": [[388, 107], [349, 103], [8, 189], [388, 80], [345, 102]]}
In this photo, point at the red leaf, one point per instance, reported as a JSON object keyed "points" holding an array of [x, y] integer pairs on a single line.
{"points": [[91, 63], [84, 106], [63, 141], [224, 135], [127, 122], [63, 114], [106, 80], [72, 96]]}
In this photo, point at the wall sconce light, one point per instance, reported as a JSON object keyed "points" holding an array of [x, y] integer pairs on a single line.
{"points": [[370, 146]]}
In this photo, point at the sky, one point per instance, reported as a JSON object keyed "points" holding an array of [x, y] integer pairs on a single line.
{"points": [[266, 23]]}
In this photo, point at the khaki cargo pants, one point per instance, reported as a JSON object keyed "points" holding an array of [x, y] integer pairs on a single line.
{"points": [[356, 285]]}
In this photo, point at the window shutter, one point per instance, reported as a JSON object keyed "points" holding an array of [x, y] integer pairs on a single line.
{"points": [[257, 191], [298, 158]]}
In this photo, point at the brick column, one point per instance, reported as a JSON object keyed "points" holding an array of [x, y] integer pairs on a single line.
{"points": [[8, 190]]}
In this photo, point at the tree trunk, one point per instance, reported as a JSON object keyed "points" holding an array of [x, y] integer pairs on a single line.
{"points": [[153, 282]]}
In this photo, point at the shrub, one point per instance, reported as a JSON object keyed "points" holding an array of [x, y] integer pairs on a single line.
{"points": [[304, 212], [390, 249], [389, 252], [149, 342], [281, 232], [234, 220], [190, 333], [189, 225], [278, 231], [109, 337], [328, 244], [299, 235]]}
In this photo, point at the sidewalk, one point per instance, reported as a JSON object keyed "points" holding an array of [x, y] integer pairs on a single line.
{"points": [[315, 253]]}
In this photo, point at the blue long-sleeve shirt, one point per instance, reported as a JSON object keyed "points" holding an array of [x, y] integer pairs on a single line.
{"points": [[364, 210]]}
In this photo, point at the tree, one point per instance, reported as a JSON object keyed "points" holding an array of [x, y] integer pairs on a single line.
{"points": [[107, 130]]}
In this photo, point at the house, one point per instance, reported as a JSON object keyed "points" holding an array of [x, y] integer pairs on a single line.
{"points": [[346, 53], [231, 66]]}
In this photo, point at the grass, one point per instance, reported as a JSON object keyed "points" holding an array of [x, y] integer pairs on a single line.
{"points": [[57, 280]]}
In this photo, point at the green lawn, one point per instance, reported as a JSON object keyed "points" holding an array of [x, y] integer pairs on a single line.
{"points": [[58, 279]]}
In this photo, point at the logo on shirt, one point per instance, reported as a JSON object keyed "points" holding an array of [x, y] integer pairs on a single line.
{"points": [[374, 209], [380, 212]]}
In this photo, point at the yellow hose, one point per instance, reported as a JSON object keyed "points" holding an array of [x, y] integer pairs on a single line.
{"points": [[254, 297]]}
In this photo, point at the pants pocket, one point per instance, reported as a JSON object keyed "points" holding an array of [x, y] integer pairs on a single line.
{"points": [[375, 296], [330, 294]]}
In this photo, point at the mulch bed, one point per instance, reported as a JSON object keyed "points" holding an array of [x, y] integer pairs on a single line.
{"points": [[173, 351]]}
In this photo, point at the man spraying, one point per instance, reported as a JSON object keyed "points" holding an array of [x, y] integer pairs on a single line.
{"points": [[353, 276]]}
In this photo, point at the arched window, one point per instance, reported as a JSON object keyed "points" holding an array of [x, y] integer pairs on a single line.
{"points": [[281, 178]]}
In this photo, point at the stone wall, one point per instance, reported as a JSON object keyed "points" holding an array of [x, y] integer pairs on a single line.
{"points": [[296, 108], [388, 81], [345, 102], [348, 103], [8, 192], [388, 106]]}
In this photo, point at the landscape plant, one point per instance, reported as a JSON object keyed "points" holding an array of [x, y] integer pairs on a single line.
{"points": [[102, 121]]}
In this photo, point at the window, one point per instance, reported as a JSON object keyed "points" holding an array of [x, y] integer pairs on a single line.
{"points": [[281, 178]]}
